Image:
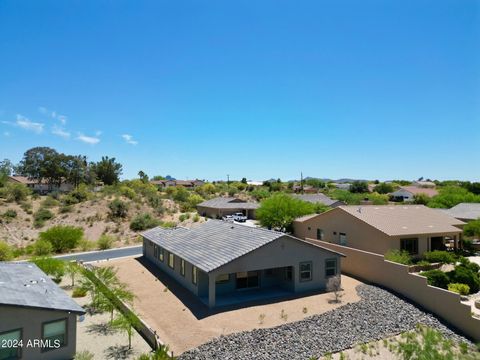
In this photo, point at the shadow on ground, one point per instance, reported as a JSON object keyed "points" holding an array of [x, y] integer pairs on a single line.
{"points": [[196, 306], [118, 352], [101, 329]]}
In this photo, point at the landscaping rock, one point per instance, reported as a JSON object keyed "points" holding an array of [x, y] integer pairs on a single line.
{"points": [[377, 315]]}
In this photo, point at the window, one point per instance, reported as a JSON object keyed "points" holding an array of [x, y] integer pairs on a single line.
{"points": [[155, 251], [410, 245], [171, 260], [269, 272], [319, 234], [288, 273], [342, 238], [9, 341], [160, 253], [182, 267], [55, 332], [247, 280], [305, 271], [222, 278], [194, 274], [330, 267]]}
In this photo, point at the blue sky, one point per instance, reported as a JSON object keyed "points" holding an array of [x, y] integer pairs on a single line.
{"points": [[261, 89]]}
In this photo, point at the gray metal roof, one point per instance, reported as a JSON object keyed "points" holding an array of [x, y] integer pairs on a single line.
{"points": [[228, 203], [317, 198], [24, 284], [213, 243], [465, 211]]}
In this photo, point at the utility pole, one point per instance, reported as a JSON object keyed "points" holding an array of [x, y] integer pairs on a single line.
{"points": [[301, 182], [228, 180]]}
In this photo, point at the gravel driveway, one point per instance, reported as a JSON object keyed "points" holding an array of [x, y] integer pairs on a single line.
{"points": [[378, 315]]}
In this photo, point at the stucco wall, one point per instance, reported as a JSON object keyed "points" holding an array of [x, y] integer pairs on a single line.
{"points": [[360, 235], [282, 252], [30, 321], [372, 267]]}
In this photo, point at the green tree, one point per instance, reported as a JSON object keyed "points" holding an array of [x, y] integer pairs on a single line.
{"points": [[126, 323], [42, 248], [359, 187], [107, 170], [450, 196], [16, 192], [280, 210], [120, 292], [62, 237], [143, 176], [421, 199], [51, 266], [384, 188], [72, 269], [143, 221], [472, 228], [316, 183], [244, 180]]}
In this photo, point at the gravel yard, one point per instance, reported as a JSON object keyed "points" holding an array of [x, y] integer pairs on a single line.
{"points": [[377, 315]]}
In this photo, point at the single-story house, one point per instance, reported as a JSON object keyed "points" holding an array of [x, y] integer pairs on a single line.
{"points": [[379, 228], [35, 311], [342, 186], [41, 186], [464, 211], [407, 193], [319, 199], [218, 260], [308, 189], [220, 206], [185, 183], [421, 183]]}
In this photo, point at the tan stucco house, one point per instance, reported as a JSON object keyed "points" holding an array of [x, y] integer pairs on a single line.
{"points": [[379, 228], [35, 313], [223, 263], [42, 186], [220, 206]]}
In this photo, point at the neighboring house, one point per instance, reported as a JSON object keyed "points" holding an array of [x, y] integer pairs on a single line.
{"points": [[34, 308], [184, 183], [220, 206], [319, 199], [342, 186], [41, 187], [407, 193], [308, 189], [427, 184], [379, 228], [218, 261], [464, 211], [254, 183]]}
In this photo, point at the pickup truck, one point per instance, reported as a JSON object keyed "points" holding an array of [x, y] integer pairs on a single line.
{"points": [[239, 217]]}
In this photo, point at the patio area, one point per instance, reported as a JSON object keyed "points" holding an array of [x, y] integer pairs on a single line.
{"points": [[183, 322]]}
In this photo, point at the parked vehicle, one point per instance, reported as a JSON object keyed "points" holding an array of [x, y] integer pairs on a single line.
{"points": [[239, 217], [228, 218]]}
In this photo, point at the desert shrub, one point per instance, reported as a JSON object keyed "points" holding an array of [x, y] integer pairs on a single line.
{"points": [[438, 256], [143, 221], [51, 266], [26, 206], [436, 278], [41, 216], [42, 248], [86, 245], [6, 251], [65, 209], [462, 289], [62, 237], [105, 242], [118, 208], [181, 194], [127, 192], [196, 217], [465, 275], [182, 217], [260, 193], [193, 201], [69, 200], [79, 292], [16, 192], [472, 228], [10, 214], [399, 256], [168, 224], [81, 193], [49, 202]]}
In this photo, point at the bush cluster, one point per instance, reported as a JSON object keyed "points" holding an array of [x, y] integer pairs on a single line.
{"points": [[118, 208], [143, 222], [41, 216], [399, 256], [62, 237]]}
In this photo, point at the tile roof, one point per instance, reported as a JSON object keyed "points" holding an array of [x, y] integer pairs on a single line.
{"points": [[23, 179], [24, 284], [467, 211], [316, 198], [228, 203], [419, 190], [404, 219], [213, 243]]}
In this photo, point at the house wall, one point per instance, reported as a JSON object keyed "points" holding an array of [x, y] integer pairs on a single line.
{"points": [[360, 235], [282, 252], [374, 268], [30, 320], [186, 281]]}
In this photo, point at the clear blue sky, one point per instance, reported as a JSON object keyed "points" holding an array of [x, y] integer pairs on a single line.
{"points": [[364, 89]]}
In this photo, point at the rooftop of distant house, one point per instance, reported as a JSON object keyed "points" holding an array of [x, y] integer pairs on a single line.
{"points": [[228, 203]]}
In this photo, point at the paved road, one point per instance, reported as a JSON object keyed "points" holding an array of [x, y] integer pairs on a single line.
{"points": [[103, 254]]}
